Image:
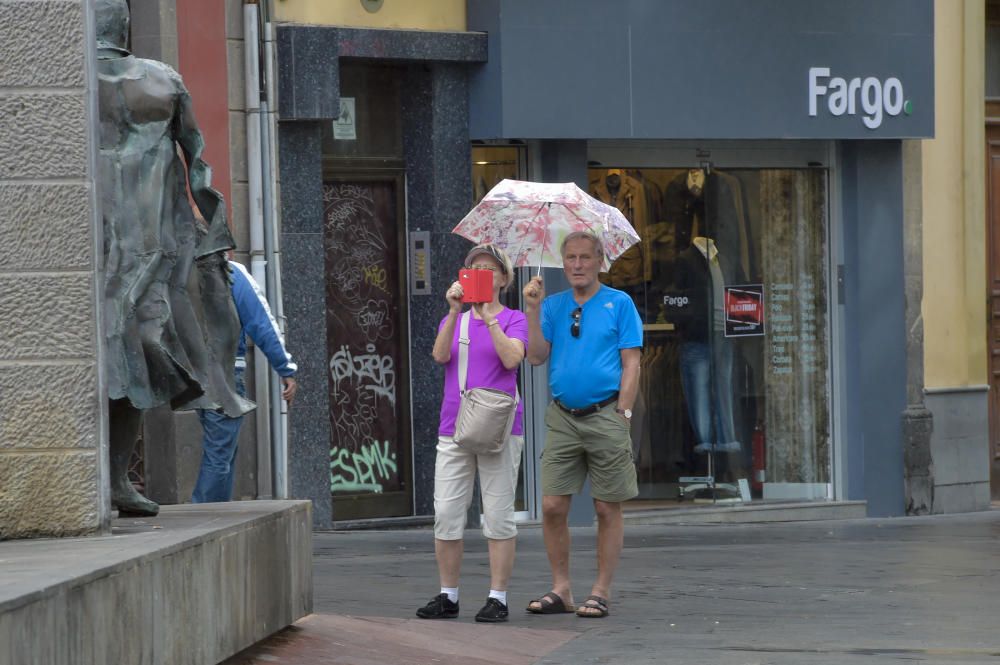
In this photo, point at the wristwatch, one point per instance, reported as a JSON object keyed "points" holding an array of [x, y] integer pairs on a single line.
{"points": [[625, 412]]}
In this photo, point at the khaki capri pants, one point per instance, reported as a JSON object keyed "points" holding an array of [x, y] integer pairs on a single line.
{"points": [[454, 479]]}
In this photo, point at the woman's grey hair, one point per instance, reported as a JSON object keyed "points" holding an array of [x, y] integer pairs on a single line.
{"points": [[506, 265], [576, 235]]}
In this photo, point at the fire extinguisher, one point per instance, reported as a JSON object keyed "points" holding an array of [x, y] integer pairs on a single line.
{"points": [[759, 448]]}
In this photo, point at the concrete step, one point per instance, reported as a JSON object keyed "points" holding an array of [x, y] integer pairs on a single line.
{"points": [[193, 585], [760, 512], [693, 513]]}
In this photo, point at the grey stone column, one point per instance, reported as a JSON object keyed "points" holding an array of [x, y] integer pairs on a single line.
{"points": [[918, 423], [439, 193], [304, 292], [438, 190], [53, 415]]}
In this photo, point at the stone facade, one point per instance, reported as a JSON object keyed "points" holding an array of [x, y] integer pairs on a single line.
{"points": [[434, 130], [52, 413]]}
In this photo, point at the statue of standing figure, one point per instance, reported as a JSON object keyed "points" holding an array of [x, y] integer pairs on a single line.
{"points": [[170, 330]]}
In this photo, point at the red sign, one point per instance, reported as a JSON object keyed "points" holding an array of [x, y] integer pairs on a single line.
{"points": [[745, 310], [477, 285]]}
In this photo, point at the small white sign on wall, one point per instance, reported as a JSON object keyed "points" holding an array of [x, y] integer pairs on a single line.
{"points": [[344, 127]]}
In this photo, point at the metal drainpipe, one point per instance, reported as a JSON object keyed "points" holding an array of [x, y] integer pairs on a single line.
{"points": [[279, 424], [262, 374]]}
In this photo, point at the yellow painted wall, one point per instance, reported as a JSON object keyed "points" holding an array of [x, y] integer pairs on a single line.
{"points": [[444, 15], [954, 203]]}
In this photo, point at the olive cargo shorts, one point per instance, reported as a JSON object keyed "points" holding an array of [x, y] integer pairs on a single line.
{"points": [[598, 444]]}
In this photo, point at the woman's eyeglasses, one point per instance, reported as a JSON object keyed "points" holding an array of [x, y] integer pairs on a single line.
{"points": [[574, 329], [482, 266]]}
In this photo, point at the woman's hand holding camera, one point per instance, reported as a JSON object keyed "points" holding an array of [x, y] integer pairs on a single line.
{"points": [[482, 311], [454, 297]]}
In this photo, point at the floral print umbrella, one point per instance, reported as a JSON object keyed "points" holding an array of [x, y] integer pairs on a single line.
{"points": [[529, 220]]}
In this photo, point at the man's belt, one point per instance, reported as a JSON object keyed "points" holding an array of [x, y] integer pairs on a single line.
{"points": [[587, 410]]}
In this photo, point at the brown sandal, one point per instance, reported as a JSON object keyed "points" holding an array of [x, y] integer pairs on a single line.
{"points": [[593, 603], [550, 603]]}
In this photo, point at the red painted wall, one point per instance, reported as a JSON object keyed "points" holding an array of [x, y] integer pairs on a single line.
{"points": [[201, 45]]}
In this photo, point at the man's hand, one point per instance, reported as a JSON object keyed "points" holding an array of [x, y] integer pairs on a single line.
{"points": [[288, 392], [533, 293]]}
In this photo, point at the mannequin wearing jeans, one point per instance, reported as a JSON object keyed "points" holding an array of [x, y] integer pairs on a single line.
{"points": [[706, 373], [706, 355]]}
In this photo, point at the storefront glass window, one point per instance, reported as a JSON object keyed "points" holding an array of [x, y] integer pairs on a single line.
{"points": [[730, 279], [493, 163]]}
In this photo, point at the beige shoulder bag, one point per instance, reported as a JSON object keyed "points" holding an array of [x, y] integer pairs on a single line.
{"points": [[485, 415]]}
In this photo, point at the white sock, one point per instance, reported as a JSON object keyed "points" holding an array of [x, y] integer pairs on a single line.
{"points": [[452, 593], [499, 595]]}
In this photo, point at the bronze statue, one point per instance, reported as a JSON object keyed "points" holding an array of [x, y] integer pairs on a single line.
{"points": [[170, 331]]}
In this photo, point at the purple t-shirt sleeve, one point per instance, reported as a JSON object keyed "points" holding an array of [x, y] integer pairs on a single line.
{"points": [[517, 328]]}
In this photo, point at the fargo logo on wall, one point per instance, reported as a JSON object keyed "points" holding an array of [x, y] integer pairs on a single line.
{"points": [[871, 97]]}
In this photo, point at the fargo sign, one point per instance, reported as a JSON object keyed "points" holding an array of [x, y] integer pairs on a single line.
{"points": [[872, 97]]}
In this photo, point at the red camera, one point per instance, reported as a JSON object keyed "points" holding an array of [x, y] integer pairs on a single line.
{"points": [[477, 285]]}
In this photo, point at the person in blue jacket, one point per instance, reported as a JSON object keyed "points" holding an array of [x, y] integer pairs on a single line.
{"points": [[215, 478]]}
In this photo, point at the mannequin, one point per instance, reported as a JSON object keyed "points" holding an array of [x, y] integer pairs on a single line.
{"points": [[709, 203], [696, 181], [613, 181], [706, 355], [616, 188]]}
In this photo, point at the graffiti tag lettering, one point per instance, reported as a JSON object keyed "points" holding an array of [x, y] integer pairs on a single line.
{"points": [[375, 320], [369, 371], [376, 276], [363, 471]]}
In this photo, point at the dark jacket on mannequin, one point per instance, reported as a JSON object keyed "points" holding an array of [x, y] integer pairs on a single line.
{"points": [[718, 213], [694, 282]]}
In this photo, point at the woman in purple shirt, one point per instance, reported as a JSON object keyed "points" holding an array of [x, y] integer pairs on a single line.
{"points": [[497, 339]]}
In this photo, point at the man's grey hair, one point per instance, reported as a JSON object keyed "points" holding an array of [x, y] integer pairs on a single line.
{"points": [[576, 235]]}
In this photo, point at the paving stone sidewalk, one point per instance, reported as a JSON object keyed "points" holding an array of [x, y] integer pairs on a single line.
{"points": [[914, 590]]}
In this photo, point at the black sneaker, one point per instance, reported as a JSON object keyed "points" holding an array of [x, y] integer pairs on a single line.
{"points": [[493, 612], [440, 608]]}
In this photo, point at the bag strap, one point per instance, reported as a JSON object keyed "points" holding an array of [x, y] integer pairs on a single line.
{"points": [[463, 351], [463, 357]]}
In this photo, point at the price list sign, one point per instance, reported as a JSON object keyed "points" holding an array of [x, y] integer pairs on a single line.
{"points": [[792, 311]]}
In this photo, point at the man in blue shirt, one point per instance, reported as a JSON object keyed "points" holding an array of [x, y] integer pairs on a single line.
{"points": [[215, 478], [593, 336]]}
